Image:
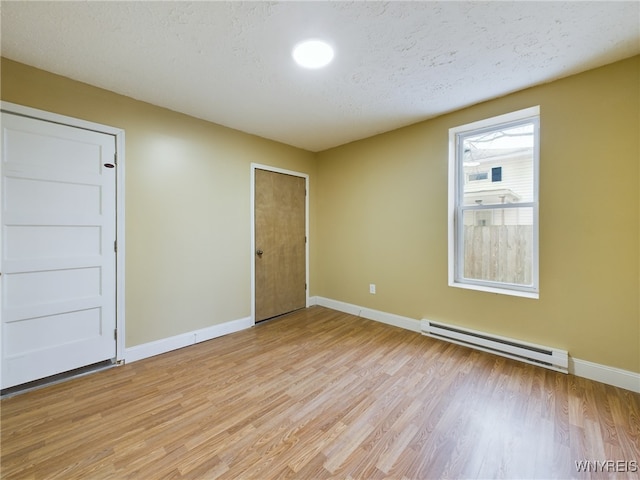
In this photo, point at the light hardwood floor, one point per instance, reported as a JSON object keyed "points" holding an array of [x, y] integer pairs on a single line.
{"points": [[321, 394]]}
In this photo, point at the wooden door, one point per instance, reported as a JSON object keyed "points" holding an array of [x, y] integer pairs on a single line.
{"points": [[58, 256], [280, 257]]}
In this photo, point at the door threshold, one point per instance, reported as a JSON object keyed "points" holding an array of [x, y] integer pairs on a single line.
{"points": [[280, 315], [55, 379]]}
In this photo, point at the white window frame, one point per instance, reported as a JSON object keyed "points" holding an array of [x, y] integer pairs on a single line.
{"points": [[456, 186]]}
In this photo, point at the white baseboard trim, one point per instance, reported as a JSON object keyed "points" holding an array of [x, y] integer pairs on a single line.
{"points": [[605, 374], [580, 368], [164, 345], [371, 314]]}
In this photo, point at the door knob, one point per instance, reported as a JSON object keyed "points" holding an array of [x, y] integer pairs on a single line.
{"points": [[259, 252]]}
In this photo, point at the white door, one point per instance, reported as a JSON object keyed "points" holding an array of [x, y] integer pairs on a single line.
{"points": [[58, 261]]}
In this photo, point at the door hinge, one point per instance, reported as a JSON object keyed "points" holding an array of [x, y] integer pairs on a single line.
{"points": [[115, 158], [115, 246], [305, 287], [305, 239], [115, 334]]}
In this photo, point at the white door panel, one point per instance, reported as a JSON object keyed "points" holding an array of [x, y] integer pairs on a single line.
{"points": [[31, 145], [66, 200], [52, 286], [34, 335], [37, 242], [58, 258]]}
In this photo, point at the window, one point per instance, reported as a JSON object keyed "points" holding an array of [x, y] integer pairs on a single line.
{"points": [[475, 177], [493, 204]]}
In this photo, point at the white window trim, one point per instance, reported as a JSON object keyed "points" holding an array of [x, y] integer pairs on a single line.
{"points": [[453, 188]]}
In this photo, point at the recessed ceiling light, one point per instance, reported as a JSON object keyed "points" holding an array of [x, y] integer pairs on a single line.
{"points": [[313, 54]]}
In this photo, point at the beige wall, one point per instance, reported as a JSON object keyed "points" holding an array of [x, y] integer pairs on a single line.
{"points": [[382, 218], [379, 214], [187, 198]]}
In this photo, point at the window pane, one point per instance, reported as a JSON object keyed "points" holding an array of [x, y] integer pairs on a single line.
{"points": [[498, 166], [497, 245]]}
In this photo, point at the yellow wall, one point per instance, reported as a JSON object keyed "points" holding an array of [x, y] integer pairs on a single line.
{"points": [[382, 218], [379, 214], [187, 198]]}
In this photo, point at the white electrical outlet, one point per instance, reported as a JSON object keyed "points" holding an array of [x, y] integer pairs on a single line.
{"points": [[372, 288]]}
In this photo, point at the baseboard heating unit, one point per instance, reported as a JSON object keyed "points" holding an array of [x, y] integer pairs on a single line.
{"points": [[547, 357]]}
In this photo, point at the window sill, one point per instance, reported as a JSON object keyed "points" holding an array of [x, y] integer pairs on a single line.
{"points": [[500, 291]]}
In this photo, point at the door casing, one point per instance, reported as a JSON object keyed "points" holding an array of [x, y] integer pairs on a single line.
{"points": [[254, 167], [120, 253]]}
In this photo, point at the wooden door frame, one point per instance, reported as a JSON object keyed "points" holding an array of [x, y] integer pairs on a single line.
{"points": [[118, 134], [254, 167]]}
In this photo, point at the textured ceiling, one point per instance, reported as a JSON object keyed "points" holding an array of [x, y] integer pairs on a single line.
{"points": [[396, 63]]}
